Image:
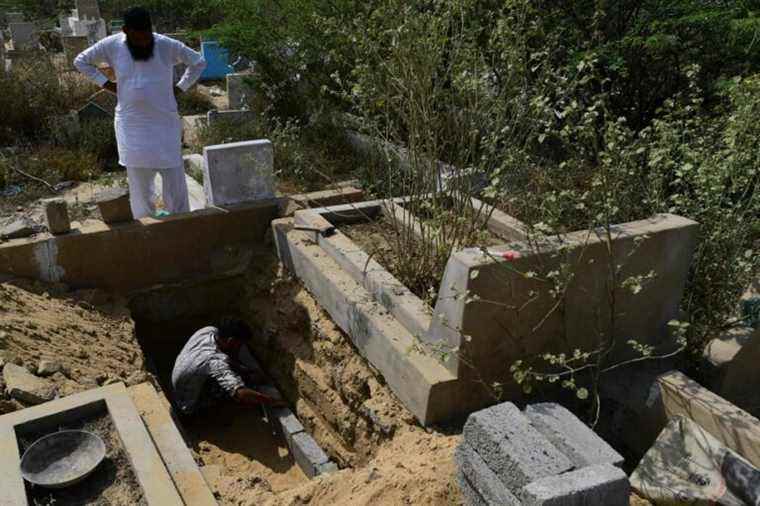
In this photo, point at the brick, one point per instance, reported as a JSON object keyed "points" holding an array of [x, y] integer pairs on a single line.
{"points": [[307, 454], [511, 447], [602, 485], [571, 436], [481, 478], [288, 423]]}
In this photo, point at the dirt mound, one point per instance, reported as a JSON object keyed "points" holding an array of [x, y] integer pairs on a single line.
{"points": [[86, 336]]}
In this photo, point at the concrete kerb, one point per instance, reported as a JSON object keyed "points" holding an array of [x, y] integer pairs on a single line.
{"points": [[175, 454], [415, 378], [154, 480], [312, 460]]}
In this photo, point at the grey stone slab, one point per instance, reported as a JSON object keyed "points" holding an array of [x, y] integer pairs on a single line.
{"points": [[602, 485], [511, 447], [239, 93], [307, 454], [571, 436], [24, 35], [469, 494], [230, 117], [482, 478], [327, 468], [18, 228], [88, 9], [238, 172], [25, 386]]}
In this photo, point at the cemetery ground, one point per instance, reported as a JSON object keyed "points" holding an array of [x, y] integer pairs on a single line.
{"points": [[379, 310]]}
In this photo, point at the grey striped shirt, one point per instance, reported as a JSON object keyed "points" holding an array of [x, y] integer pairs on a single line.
{"points": [[198, 362]]}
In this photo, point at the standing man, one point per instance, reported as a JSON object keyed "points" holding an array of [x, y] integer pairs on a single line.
{"points": [[148, 126]]}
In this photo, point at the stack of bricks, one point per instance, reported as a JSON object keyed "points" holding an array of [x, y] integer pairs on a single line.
{"points": [[544, 456]]}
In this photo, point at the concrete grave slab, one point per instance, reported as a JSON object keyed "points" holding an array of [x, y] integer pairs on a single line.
{"points": [[88, 9], [240, 93], [151, 474], [238, 172], [57, 216], [14, 17], [24, 35], [232, 117]]}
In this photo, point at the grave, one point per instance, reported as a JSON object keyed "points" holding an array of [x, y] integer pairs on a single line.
{"points": [[383, 317], [88, 9], [23, 36], [240, 93], [113, 401], [230, 117], [217, 60], [238, 172]]}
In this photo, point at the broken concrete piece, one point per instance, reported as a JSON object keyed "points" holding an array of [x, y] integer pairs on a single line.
{"points": [[48, 367], [114, 206], [571, 436], [603, 484], [57, 216], [511, 447], [25, 386], [238, 172], [18, 228]]}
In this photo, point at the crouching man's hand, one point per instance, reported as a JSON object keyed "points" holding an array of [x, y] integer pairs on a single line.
{"points": [[250, 397]]}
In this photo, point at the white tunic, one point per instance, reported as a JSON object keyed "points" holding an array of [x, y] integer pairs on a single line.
{"points": [[148, 126]]}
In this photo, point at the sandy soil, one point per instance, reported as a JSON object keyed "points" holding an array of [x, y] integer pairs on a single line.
{"points": [[89, 333]]}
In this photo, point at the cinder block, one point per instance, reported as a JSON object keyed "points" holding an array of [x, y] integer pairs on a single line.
{"points": [[571, 436], [57, 215], [481, 478], [308, 455], [602, 485], [511, 447], [469, 494], [288, 423], [238, 172]]}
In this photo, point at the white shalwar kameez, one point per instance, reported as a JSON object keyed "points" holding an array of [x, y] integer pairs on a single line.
{"points": [[148, 126]]}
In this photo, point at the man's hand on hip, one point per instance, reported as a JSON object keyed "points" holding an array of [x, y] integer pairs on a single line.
{"points": [[110, 86]]}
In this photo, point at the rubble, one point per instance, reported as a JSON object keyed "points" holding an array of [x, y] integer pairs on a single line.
{"points": [[25, 386]]}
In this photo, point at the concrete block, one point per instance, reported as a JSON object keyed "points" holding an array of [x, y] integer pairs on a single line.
{"points": [[25, 386], [48, 367], [734, 357], [191, 128], [308, 455], [601, 485], [342, 195], [571, 436], [238, 172], [511, 447], [481, 478], [733, 427], [57, 216], [288, 423], [470, 496], [114, 206], [240, 94], [24, 35], [327, 468]]}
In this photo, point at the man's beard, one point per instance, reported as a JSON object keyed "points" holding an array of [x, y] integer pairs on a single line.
{"points": [[141, 53]]}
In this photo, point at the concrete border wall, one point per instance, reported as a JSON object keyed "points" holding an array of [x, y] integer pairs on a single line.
{"points": [[146, 252]]}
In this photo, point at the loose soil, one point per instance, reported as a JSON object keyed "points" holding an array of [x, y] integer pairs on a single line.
{"points": [[88, 333], [112, 483]]}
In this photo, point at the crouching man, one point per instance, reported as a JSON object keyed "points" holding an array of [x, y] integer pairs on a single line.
{"points": [[214, 365]]}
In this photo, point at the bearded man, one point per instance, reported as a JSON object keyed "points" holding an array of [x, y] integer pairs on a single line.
{"points": [[147, 123]]}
